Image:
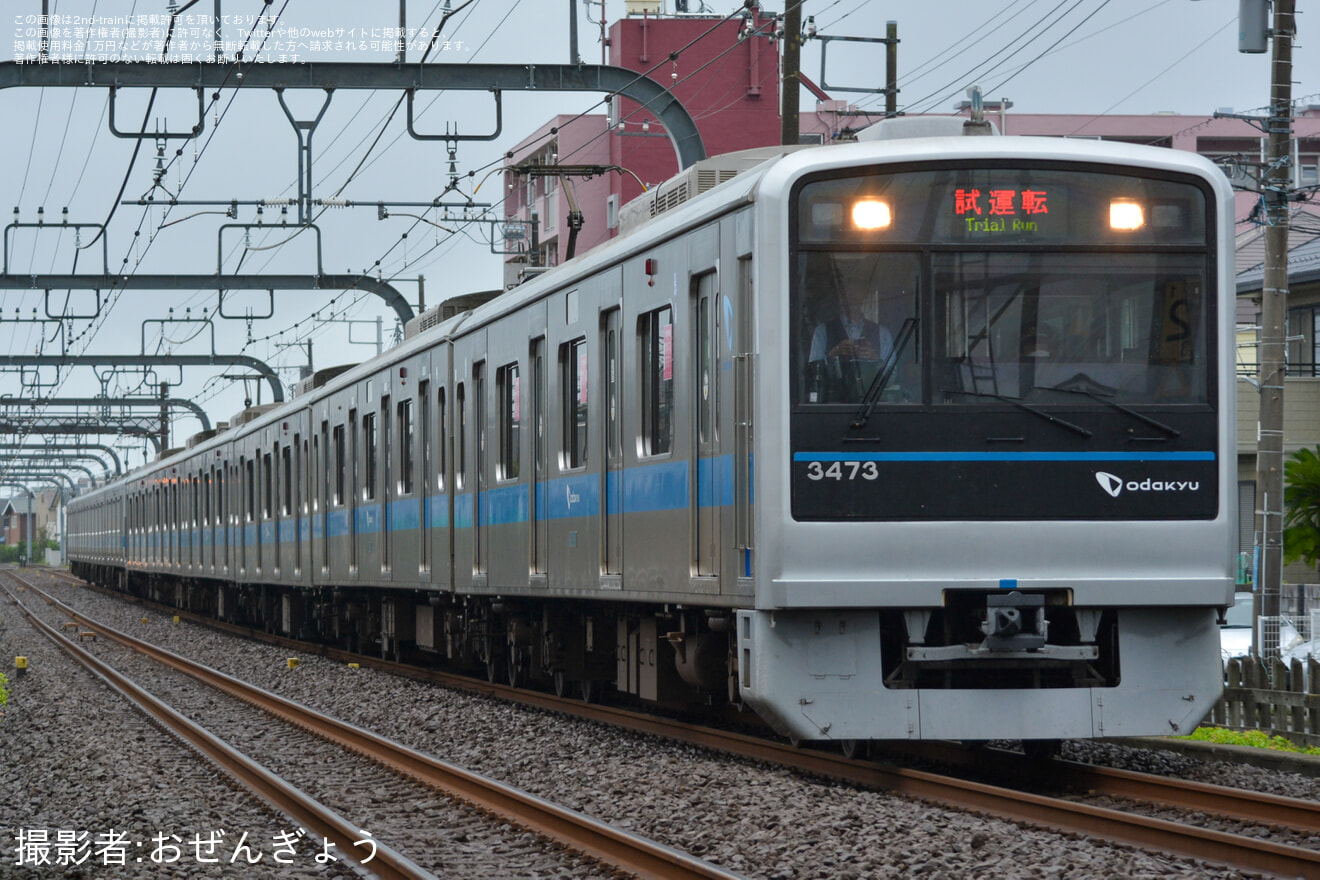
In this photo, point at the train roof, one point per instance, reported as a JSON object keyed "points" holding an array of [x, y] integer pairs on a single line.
{"points": [[1043, 149]]}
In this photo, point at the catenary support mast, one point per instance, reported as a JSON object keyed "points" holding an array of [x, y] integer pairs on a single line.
{"points": [[1274, 311]]}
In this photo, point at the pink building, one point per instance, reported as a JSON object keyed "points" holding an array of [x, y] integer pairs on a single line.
{"points": [[731, 88], [729, 85], [1235, 141]]}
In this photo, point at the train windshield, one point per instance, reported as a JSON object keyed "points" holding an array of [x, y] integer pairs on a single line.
{"points": [[1017, 283], [1038, 327], [1000, 319]]}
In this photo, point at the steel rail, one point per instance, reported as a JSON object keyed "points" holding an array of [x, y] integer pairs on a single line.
{"points": [[387, 864], [1252, 806], [1231, 803], [616, 848], [1039, 810], [1248, 806]]}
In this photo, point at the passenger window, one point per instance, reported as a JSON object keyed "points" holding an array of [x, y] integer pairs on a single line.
{"points": [[286, 474], [339, 464], [369, 456], [656, 348], [443, 456], [386, 448], [510, 392], [573, 362], [405, 447], [267, 486], [460, 462]]}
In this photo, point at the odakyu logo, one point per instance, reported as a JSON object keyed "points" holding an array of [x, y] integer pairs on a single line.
{"points": [[1116, 485], [1110, 483]]}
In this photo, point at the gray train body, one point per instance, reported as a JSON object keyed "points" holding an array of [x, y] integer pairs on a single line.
{"points": [[628, 474]]}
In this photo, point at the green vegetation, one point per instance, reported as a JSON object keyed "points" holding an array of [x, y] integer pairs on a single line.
{"points": [[4, 691], [11, 552], [1301, 500], [1258, 739]]}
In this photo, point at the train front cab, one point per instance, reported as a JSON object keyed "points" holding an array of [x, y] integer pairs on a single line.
{"points": [[1008, 516]]}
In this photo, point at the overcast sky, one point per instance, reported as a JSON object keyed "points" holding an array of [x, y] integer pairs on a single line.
{"points": [[1081, 56]]}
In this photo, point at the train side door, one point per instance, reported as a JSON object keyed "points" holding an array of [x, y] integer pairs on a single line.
{"points": [[302, 525], [388, 493], [538, 520], [321, 460], [423, 482], [705, 400], [612, 487], [744, 394], [351, 493], [248, 480], [223, 522], [480, 517]]}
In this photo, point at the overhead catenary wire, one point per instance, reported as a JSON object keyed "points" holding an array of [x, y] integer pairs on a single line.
{"points": [[403, 237], [951, 52], [388, 118], [978, 70], [99, 321], [999, 85], [1150, 81]]}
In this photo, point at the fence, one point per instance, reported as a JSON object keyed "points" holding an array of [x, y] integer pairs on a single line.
{"points": [[1280, 634], [1283, 700]]}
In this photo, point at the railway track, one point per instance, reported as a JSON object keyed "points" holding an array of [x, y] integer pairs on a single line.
{"points": [[616, 849], [1145, 792]]}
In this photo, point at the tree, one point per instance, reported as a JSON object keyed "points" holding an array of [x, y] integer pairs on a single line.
{"points": [[1301, 501]]}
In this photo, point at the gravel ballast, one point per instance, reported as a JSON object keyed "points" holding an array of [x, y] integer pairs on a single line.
{"points": [[759, 820]]}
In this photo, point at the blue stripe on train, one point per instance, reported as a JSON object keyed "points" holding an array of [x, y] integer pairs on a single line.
{"points": [[649, 488], [1003, 456]]}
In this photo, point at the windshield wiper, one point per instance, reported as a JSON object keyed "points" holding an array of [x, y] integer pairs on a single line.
{"points": [[1084, 384], [886, 372], [1055, 420]]}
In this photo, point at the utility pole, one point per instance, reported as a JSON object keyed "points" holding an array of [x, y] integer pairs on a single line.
{"points": [[788, 106], [1276, 183], [891, 69], [164, 417]]}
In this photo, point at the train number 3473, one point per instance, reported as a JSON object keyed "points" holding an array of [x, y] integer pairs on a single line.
{"points": [[842, 470]]}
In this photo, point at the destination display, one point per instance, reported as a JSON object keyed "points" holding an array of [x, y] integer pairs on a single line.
{"points": [[1000, 206]]}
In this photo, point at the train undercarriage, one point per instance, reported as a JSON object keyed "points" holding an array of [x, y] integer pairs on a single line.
{"points": [[664, 654]]}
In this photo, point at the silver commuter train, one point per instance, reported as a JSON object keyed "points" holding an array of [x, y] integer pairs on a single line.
{"points": [[912, 439]]}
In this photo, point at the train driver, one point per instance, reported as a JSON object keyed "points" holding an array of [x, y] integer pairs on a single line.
{"points": [[848, 349]]}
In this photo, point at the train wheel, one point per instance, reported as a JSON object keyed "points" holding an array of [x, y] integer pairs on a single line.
{"points": [[854, 749], [517, 667], [589, 690], [561, 683], [492, 668], [1042, 749]]}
